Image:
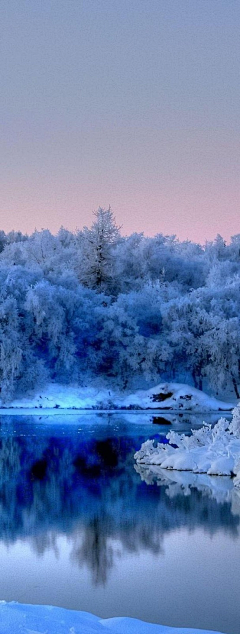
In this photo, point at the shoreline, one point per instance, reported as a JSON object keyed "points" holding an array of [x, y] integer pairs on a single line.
{"points": [[75, 411]]}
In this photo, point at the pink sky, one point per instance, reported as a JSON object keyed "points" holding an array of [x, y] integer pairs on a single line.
{"points": [[132, 103], [198, 213]]}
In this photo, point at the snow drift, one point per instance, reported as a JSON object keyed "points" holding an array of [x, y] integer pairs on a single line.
{"points": [[175, 396], [17, 618], [212, 450]]}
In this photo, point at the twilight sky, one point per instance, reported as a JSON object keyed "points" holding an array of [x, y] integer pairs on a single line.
{"points": [[132, 103]]}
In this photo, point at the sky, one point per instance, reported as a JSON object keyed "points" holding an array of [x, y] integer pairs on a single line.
{"points": [[128, 103]]}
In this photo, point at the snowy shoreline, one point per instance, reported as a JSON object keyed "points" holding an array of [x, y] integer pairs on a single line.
{"points": [[31, 411], [164, 397], [17, 618]]}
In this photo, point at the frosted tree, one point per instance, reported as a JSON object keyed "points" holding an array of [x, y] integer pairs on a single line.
{"points": [[49, 306], [132, 342], [3, 240], [20, 369], [10, 347], [222, 343], [129, 263], [42, 252], [97, 258]]}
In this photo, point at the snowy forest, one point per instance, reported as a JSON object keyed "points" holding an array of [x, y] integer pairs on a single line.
{"points": [[92, 305]]}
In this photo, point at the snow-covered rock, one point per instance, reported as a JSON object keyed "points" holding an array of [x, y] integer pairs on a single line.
{"points": [[16, 618], [165, 396], [212, 450]]}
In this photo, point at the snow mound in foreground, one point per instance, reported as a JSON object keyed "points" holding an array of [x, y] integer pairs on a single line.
{"points": [[170, 396], [212, 450], [175, 396], [16, 618]]}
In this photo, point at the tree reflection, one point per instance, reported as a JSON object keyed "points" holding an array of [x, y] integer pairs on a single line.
{"points": [[89, 491], [95, 549]]}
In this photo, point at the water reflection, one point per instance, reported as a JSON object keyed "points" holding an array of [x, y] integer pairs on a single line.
{"points": [[178, 483], [88, 489]]}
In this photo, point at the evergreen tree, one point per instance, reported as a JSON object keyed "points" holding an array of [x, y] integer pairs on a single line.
{"points": [[97, 257]]}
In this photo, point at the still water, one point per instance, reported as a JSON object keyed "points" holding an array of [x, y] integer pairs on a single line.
{"points": [[81, 528]]}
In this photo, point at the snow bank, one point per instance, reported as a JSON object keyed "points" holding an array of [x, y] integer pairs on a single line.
{"points": [[166, 396], [16, 618], [212, 450], [175, 396], [58, 396]]}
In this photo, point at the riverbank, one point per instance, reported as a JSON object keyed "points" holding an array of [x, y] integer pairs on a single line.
{"points": [[162, 397]]}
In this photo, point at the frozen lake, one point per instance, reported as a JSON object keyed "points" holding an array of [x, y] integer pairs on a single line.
{"points": [[81, 528]]}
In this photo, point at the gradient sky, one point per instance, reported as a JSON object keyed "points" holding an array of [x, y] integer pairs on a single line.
{"points": [[132, 103]]}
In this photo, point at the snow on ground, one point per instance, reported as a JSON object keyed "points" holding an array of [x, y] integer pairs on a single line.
{"points": [[65, 397], [166, 396], [212, 450], [16, 618], [175, 396]]}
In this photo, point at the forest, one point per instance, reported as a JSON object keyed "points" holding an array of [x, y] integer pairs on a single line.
{"points": [[93, 305]]}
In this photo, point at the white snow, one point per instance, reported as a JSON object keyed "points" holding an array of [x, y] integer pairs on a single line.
{"points": [[212, 450], [59, 396], [175, 396], [16, 618], [165, 396]]}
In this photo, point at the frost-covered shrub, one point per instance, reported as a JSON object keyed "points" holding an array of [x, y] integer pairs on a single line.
{"points": [[213, 450]]}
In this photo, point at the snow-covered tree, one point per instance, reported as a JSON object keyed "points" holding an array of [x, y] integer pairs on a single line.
{"points": [[96, 268]]}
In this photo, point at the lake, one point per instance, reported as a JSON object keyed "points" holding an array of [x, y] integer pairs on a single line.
{"points": [[82, 528]]}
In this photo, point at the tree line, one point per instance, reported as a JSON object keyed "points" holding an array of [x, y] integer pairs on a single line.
{"points": [[93, 305]]}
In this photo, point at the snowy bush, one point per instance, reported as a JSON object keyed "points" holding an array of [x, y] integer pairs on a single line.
{"points": [[212, 450]]}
